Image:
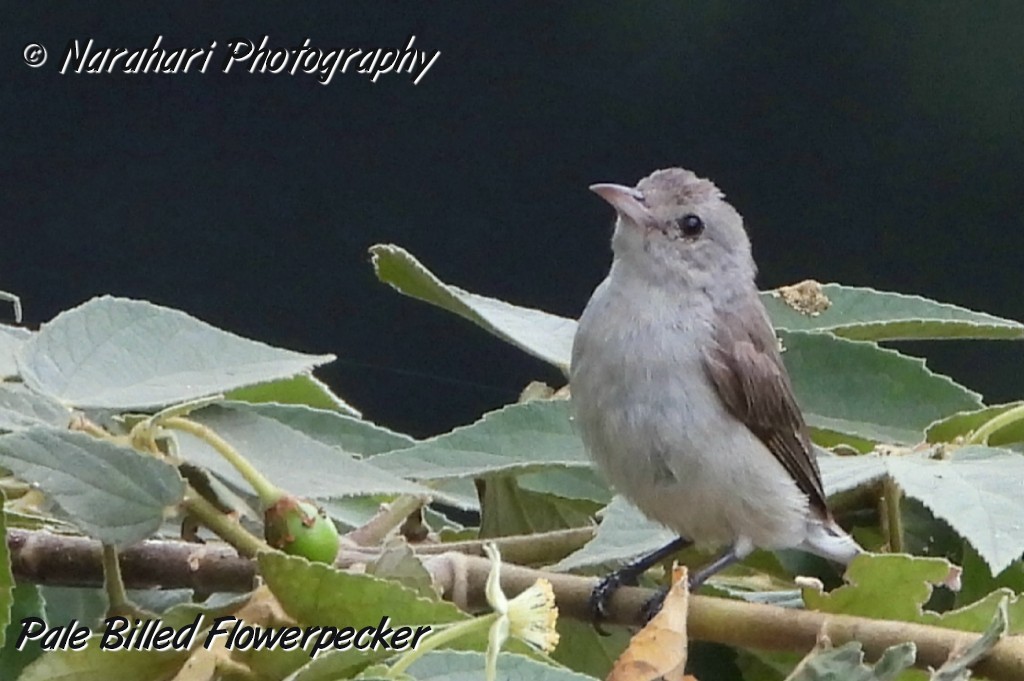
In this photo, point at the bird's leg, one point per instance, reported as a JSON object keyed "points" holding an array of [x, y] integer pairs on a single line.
{"points": [[695, 580], [627, 576]]}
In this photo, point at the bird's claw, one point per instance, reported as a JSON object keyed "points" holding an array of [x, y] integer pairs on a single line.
{"points": [[652, 606], [602, 594]]}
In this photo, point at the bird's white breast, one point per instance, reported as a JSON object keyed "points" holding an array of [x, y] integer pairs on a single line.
{"points": [[653, 423]]}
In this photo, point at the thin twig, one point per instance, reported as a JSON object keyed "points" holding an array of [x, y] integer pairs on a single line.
{"points": [[113, 584], [387, 519], [892, 496]]}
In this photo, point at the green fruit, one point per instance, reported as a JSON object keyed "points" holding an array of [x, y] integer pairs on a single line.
{"points": [[299, 528]]}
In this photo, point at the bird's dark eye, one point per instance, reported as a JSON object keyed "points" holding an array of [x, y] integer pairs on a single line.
{"points": [[691, 225]]}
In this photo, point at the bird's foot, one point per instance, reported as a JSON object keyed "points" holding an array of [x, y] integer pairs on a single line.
{"points": [[695, 580], [602, 594], [627, 575], [652, 606]]}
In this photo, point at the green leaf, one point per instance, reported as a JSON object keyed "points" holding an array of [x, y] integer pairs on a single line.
{"points": [[830, 439], [764, 665], [963, 424], [861, 389], [517, 438], [21, 408], [112, 493], [891, 586], [847, 663], [300, 389], [11, 340], [379, 672], [398, 563], [328, 667], [545, 336], [978, 581], [354, 435], [458, 665], [843, 473], [897, 586], [116, 353], [65, 603], [179, 614], [583, 649], [624, 533], [286, 455], [866, 314], [315, 593], [568, 483], [26, 602], [93, 664], [958, 667], [509, 510], [353, 512], [977, 491]]}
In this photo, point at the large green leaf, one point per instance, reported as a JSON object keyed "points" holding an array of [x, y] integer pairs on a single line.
{"points": [[979, 491], [116, 353], [543, 335], [886, 586], [866, 314], [861, 389], [112, 493], [354, 435], [897, 586], [976, 490], [285, 454], [517, 438]]}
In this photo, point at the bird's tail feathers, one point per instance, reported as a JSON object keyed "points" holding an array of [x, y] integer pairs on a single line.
{"points": [[826, 539]]}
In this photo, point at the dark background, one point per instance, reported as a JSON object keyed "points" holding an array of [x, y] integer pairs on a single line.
{"points": [[872, 143]]}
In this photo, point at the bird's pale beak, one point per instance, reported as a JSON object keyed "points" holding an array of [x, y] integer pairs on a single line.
{"points": [[625, 200]]}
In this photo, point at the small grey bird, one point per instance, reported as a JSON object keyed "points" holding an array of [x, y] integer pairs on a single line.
{"points": [[679, 390]]}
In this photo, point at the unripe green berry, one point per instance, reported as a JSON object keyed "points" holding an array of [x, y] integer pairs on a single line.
{"points": [[299, 528]]}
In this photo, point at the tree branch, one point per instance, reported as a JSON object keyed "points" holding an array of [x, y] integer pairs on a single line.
{"points": [[62, 560], [76, 561]]}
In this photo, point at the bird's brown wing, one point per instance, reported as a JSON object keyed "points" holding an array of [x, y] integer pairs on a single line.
{"points": [[744, 364]]}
